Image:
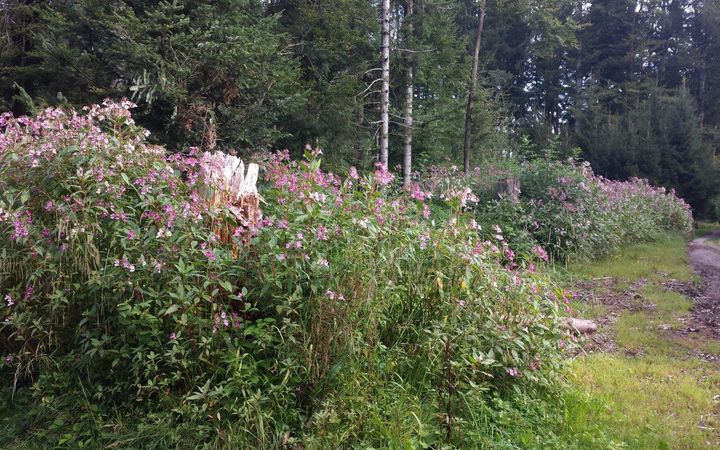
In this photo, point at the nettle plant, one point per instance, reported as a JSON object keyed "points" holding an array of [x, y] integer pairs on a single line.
{"points": [[121, 288]]}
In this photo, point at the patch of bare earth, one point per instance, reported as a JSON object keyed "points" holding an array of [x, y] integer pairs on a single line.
{"points": [[604, 294], [705, 260], [611, 299]]}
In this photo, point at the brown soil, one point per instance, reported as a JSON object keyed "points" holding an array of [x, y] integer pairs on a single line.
{"points": [[604, 293], [705, 260]]}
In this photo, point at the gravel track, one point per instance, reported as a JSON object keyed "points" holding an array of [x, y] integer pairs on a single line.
{"points": [[705, 260]]}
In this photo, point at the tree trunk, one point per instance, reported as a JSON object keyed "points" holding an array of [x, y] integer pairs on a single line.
{"points": [[578, 90], [472, 85], [701, 95], [409, 92], [577, 126], [385, 95]]}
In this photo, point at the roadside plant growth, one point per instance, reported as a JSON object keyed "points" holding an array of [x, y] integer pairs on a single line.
{"points": [[119, 295], [567, 209], [352, 305]]}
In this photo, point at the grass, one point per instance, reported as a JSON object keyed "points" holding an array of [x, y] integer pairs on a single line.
{"points": [[650, 330], [662, 397], [661, 260], [652, 402], [705, 228]]}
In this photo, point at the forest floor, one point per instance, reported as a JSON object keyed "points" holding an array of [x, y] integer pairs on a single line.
{"points": [[655, 360]]}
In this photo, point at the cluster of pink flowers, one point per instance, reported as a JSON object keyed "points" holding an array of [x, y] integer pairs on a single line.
{"points": [[125, 264], [540, 253], [20, 226], [224, 320], [383, 176], [332, 295]]}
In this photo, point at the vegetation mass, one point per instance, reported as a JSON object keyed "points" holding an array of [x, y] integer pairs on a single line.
{"points": [[404, 274]]}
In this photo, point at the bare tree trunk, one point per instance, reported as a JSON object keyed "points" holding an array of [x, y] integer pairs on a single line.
{"points": [[578, 75], [578, 90], [385, 95], [701, 94], [409, 92], [472, 85]]}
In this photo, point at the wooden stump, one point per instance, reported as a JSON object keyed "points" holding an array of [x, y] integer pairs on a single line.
{"points": [[508, 188], [236, 190]]}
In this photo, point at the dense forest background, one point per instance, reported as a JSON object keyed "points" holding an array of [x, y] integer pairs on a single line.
{"points": [[632, 86]]}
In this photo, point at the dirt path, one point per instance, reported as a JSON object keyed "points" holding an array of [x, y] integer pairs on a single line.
{"points": [[704, 257], [633, 313]]}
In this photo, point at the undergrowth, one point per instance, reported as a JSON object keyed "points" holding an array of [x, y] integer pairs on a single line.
{"points": [[138, 312]]}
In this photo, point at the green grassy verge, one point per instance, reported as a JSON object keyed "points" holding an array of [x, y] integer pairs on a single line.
{"points": [[705, 228], [662, 397]]}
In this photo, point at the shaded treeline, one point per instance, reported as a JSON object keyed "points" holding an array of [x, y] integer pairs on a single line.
{"points": [[634, 84]]}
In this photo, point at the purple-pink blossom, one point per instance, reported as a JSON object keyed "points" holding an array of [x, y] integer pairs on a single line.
{"points": [[321, 233], [540, 253], [382, 175]]}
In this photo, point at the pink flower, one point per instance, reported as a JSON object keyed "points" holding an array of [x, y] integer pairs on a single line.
{"points": [[424, 238], [509, 254], [210, 255], [535, 364], [321, 233], [330, 294], [417, 193], [540, 253], [172, 336], [353, 173], [383, 176], [512, 371], [318, 197], [9, 300]]}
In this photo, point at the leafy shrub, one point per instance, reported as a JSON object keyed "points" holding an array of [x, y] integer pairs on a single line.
{"points": [[121, 299], [567, 209], [115, 283]]}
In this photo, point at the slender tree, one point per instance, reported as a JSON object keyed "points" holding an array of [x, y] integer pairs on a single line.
{"points": [[385, 94], [409, 93], [472, 86]]}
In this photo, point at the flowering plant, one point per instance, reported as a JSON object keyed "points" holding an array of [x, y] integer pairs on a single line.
{"points": [[116, 283], [566, 208]]}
